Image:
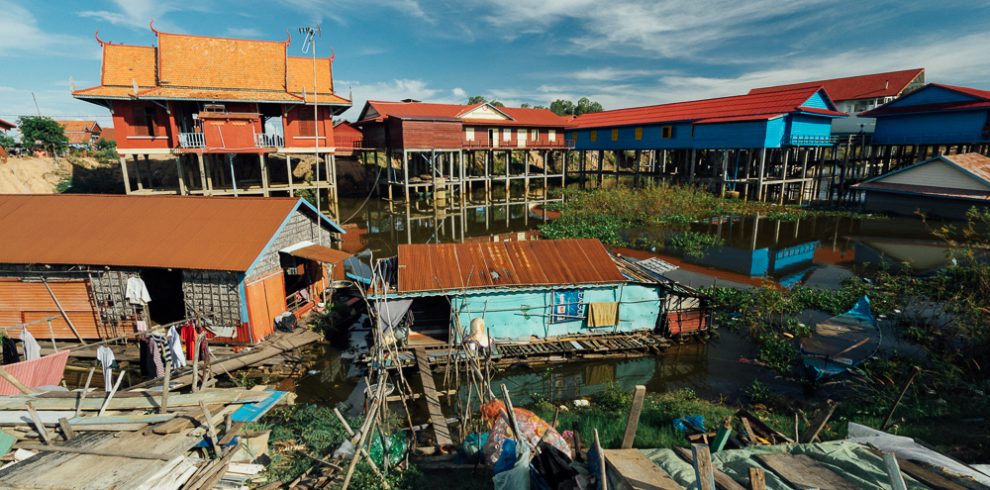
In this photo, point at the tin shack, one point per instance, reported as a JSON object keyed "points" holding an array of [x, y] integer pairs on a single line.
{"points": [[103, 266], [529, 289]]}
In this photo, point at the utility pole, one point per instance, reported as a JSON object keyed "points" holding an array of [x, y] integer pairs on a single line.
{"points": [[310, 35]]}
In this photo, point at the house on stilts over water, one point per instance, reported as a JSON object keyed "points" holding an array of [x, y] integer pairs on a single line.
{"points": [[239, 117], [529, 291]]}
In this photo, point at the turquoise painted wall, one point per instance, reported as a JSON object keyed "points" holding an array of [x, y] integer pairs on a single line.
{"points": [[520, 314], [809, 131], [748, 134], [817, 101]]}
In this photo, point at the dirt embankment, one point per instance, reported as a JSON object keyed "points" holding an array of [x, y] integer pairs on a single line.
{"points": [[46, 175]]}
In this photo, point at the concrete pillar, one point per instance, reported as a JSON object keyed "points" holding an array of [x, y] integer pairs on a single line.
{"points": [[137, 173], [123, 173], [760, 177], [783, 176], [180, 175], [202, 174], [263, 167], [288, 173], [804, 176]]}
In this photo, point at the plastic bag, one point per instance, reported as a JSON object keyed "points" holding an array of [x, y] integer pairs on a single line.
{"points": [[345, 451], [396, 446]]}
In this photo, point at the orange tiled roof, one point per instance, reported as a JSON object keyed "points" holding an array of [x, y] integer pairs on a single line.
{"points": [[124, 65], [182, 93], [195, 61], [89, 126], [301, 75], [211, 68]]}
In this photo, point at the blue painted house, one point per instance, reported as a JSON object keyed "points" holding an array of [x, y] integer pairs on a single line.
{"points": [[934, 115], [526, 289], [773, 119]]}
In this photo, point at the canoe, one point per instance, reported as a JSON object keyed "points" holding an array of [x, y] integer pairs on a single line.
{"points": [[842, 342]]}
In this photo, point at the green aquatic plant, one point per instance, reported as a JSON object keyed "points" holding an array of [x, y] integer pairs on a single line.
{"points": [[694, 244]]}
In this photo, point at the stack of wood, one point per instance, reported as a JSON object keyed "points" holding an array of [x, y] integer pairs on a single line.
{"points": [[132, 439]]}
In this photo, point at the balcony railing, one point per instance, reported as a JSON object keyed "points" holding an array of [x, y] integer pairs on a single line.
{"points": [[191, 140], [514, 144], [269, 140]]}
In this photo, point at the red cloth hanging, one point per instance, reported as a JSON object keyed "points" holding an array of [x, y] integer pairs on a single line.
{"points": [[188, 336]]}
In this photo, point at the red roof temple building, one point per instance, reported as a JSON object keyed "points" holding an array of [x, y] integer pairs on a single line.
{"points": [[232, 113], [441, 149]]}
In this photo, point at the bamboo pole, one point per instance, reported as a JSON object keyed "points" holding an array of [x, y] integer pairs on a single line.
{"points": [[82, 395], [364, 452], [113, 391], [61, 310]]}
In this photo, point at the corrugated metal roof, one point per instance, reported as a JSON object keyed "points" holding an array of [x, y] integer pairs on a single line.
{"points": [[7, 125], [887, 84], [974, 164], [185, 232], [763, 105], [457, 112], [472, 265], [320, 253]]}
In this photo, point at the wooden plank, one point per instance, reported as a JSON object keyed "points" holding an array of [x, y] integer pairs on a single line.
{"points": [[437, 419], [144, 402], [722, 480], [632, 423], [799, 470], [701, 459], [757, 479], [928, 477], [633, 468], [96, 452], [38, 424], [67, 431], [818, 423]]}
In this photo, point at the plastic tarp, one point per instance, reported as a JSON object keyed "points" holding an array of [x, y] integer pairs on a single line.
{"points": [[906, 448], [391, 313], [852, 461]]}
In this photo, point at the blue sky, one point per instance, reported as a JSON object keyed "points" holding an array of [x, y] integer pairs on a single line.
{"points": [[621, 52]]}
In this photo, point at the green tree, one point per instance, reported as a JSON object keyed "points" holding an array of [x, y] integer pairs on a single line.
{"points": [[42, 131], [524, 105], [476, 99], [562, 107], [586, 105], [7, 142]]}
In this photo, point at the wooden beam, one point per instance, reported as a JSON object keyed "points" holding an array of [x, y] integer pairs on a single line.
{"points": [[16, 382], [97, 452], [603, 471], [632, 423], [210, 428], [67, 431], [701, 459], [818, 424], [722, 480], [757, 479], [38, 424], [61, 310]]}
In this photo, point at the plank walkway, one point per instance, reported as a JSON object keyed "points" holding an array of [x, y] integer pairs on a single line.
{"points": [[637, 472], [437, 419], [585, 346]]}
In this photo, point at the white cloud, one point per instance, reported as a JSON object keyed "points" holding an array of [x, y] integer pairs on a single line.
{"points": [[55, 103], [392, 91], [459, 93], [133, 13], [317, 10], [20, 34], [245, 32], [609, 74]]}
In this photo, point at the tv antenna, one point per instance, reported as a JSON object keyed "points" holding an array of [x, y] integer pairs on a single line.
{"points": [[310, 34]]}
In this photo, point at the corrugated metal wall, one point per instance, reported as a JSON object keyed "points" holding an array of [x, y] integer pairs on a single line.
{"points": [[23, 301]]}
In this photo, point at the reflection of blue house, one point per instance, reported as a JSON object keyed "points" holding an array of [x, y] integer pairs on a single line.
{"points": [[934, 114], [791, 117], [542, 288], [760, 261]]}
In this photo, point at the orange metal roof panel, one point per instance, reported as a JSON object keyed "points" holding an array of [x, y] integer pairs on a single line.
{"points": [[101, 92], [211, 233], [124, 65], [975, 163], [199, 61], [887, 84], [436, 267]]}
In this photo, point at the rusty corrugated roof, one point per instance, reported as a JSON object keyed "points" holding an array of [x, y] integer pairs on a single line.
{"points": [[184, 232], [472, 265]]}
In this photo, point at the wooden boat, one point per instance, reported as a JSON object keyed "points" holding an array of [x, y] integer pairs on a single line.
{"points": [[842, 342]]}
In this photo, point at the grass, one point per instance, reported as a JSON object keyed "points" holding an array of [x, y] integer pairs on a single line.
{"points": [[613, 215], [610, 408]]}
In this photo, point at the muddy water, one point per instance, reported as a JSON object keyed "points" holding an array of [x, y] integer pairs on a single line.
{"points": [[714, 369]]}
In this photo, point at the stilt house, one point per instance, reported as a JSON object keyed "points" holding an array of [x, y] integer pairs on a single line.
{"points": [[936, 115], [223, 108]]}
